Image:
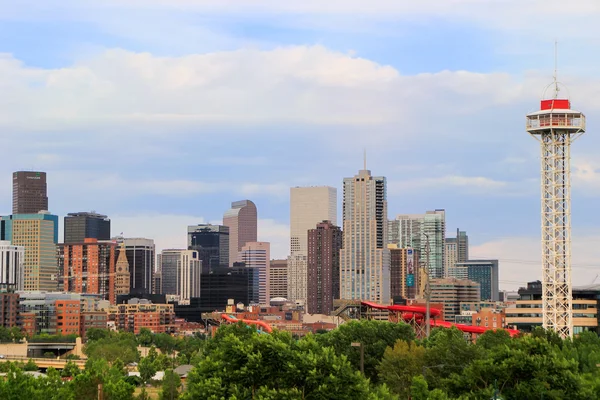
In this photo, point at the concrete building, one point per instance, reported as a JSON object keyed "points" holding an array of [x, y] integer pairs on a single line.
{"points": [[56, 313], [526, 314], [181, 273], [484, 272], [490, 318], [323, 279], [212, 244], [139, 313], [87, 267], [122, 274], [242, 221], [11, 266], [85, 225], [38, 234], [308, 207], [451, 292], [412, 230], [364, 258], [457, 250], [278, 278], [9, 309], [257, 255], [404, 273], [141, 254], [30, 192]]}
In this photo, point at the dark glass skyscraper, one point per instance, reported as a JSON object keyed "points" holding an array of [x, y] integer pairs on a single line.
{"points": [[140, 255], [86, 225], [212, 244], [30, 192]]}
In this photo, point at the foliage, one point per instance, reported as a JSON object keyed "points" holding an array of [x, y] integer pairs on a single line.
{"points": [[45, 338], [400, 364], [376, 336], [170, 386], [70, 370], [147, 369], [8, 335], [113, 347]]}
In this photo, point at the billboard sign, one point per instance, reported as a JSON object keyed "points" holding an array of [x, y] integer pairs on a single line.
{"points": [[410, 280]]}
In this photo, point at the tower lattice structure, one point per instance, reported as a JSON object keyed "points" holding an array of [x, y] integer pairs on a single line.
{"points": [[556, 126]]}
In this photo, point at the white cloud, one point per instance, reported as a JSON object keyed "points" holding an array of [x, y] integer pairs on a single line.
{"points": [[302, 84], [520, 259], [169, 231]]}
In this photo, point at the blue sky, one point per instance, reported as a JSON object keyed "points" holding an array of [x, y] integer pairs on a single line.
{"points": [[160, 113]]}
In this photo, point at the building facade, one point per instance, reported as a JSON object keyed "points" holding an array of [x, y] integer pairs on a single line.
{"points": [[456, 250], [30, 192], [484, 272], [212, 244], [9, 309], [242, 221], [122, 275], [364, 258], [451, 292], [257, 255], [38, 234], [278, 278], [181, 272], [323, 279], [404, 273], [11, 266], [88, 267], [526, 314], [85, 225], [308, 207], [416, 231], [239, 283], [141, 254], [138, 313]]}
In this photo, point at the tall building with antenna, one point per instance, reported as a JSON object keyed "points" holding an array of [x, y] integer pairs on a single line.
{"points": [[556, 126], [365, 258]]}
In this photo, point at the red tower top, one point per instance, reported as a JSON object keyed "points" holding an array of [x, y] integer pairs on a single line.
{"points": [[559, 104]]}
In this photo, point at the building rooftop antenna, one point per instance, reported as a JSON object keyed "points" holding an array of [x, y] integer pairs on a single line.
{"points": [[555, 77], [365, 158]]}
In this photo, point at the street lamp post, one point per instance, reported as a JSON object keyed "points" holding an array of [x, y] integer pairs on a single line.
{"points": [[362, 355]]}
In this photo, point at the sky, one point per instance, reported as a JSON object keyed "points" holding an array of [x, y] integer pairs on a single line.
{"points": [[160, 113]]}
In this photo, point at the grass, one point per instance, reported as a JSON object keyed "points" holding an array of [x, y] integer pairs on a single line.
{"points": [[153, 392]]}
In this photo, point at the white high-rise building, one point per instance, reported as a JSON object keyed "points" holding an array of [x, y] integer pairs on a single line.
{"points": [[258, 255], [11, 266], [181, 271], [308, 207], [365, 258]]}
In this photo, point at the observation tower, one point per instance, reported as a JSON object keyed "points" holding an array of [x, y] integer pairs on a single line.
{"points": [[556, 126]]}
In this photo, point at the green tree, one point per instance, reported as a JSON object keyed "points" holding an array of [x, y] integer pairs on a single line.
{"points": [[143, 395], [94, 334], [170, 386], [118, 390], [147, 369], [375, 336], [17, 334], [419, 389], [399, 365], [70, 370], [145, 337], [30, 366], [111, 348]]}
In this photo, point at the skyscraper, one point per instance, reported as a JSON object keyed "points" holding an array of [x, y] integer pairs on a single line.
{"points": [[365, 259], [38, 234], [242, 220], [278, 278], [86, 225], [415, 230], [140, 255], [257, 255], [404, 272], [11, 267], [308, 207], [484, 272], [181, 271], [87, 267], [122, 275], [323, 271], [30, 192], [456, 250], [212, 244]]}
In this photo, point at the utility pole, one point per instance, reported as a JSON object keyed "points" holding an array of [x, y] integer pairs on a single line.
{"points": [[362, 355], [427, 289]]}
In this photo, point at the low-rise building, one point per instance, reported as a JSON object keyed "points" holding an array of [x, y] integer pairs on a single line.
{"points": [[526, 314], [140, 313], [451, 292]]}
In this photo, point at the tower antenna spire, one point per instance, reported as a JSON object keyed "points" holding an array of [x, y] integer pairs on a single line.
{"points": [[555, 77], [365, 157]]}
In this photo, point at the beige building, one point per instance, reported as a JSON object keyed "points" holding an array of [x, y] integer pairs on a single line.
{"points": [[278, 278], [38, 234], [309, 206], [122, 277], [242, 220], [451, 292], [365, 258]]}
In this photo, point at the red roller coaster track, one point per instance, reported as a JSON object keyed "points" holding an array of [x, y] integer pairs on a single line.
{"points": [[266, 327], [418, 313]]}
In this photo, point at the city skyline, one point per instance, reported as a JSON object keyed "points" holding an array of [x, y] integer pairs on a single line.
{"points": [[183, 156]]}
